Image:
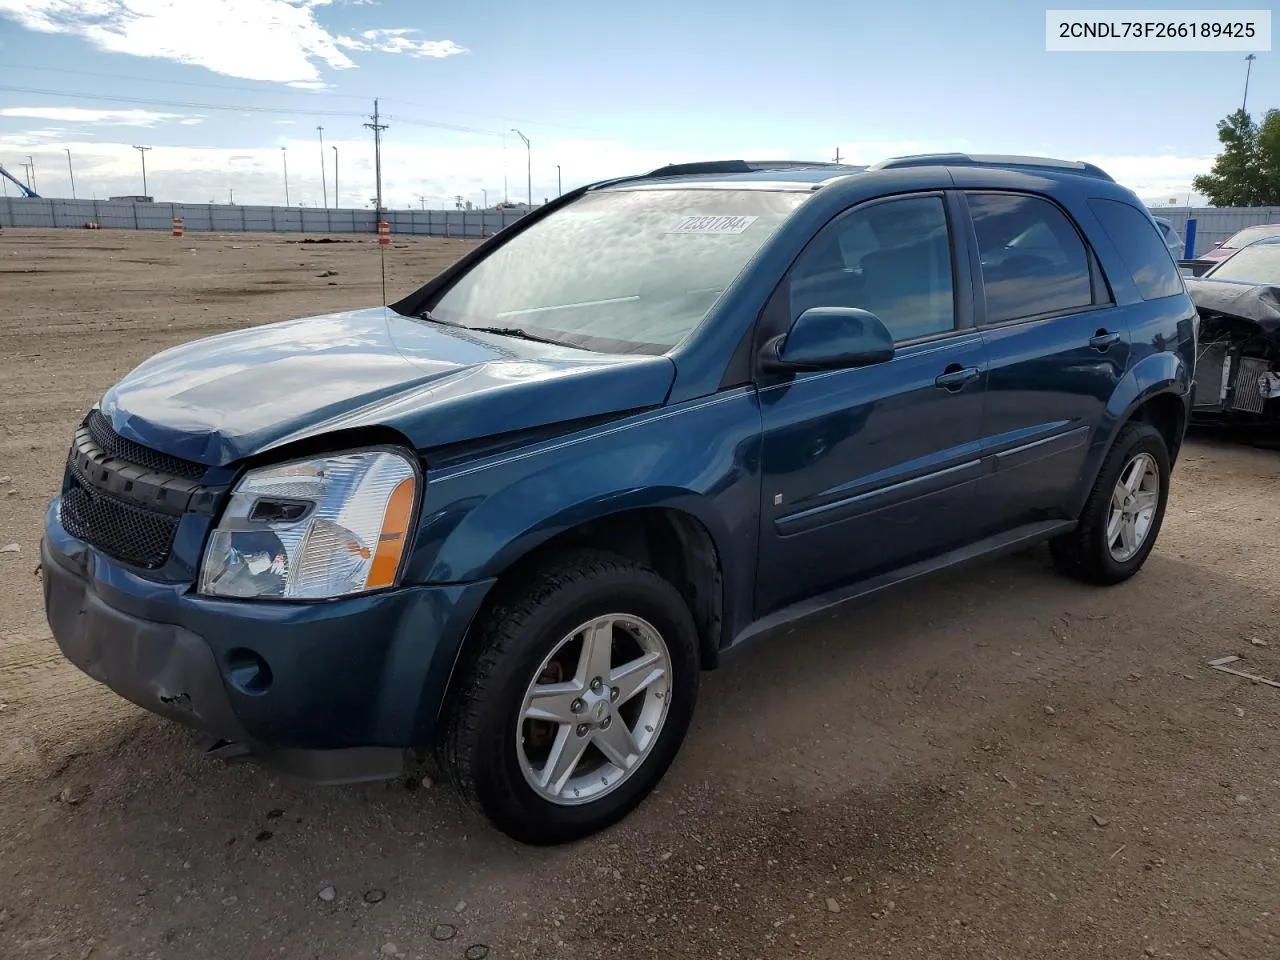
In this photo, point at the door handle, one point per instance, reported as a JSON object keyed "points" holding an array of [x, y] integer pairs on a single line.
{"points": [[1103, 340], [956, 376]]}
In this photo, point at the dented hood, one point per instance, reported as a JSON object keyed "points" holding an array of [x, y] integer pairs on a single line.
{"points": [[1259, 303], [227, 397]]}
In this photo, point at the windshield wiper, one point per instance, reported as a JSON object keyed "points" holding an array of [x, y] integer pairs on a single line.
{"points": [[517, 332], [520, 334]]}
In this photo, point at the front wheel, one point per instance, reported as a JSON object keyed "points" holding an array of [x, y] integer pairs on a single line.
{"points": [[577, 699], [1122, 517]]}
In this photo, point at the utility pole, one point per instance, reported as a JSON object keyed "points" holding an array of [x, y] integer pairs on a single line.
{"points": [[837, 154], [32, 164], [486, 198], [1247, 70], [559, 189], [143, 151], [71, 173], [528, 155], [422, 200], [335, 176], [377, 129], [284, 155], [324, 184]]}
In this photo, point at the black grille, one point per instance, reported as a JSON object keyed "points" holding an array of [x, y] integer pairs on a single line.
{"points": [[119, 448], [120, 529]]}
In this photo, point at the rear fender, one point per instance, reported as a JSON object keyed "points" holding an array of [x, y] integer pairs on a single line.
{"points": [[1155, 374]]}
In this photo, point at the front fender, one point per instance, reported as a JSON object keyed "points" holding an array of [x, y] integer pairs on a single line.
{"points": [[700, 458]]}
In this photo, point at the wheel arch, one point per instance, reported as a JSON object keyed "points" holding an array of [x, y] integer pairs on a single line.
{"points": [[1157, 391], [672, 539]]}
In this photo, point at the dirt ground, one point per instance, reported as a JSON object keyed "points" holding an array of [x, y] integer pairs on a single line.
{"points": [[998, 764]]}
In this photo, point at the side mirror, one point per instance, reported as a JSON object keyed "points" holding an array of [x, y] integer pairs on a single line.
{"points": [[830, 338]]}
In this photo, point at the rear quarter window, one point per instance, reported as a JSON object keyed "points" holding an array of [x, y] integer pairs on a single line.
{"points": [[1143, 250]]}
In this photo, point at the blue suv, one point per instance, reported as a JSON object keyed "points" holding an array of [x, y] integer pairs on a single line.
{"points": [[500, 526]]}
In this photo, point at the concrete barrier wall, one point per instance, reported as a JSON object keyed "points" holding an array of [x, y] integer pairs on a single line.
{"points": [[224, 218]]}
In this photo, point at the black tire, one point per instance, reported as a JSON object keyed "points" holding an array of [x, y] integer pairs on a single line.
{"points": [[1084, 553], [517, 633]]}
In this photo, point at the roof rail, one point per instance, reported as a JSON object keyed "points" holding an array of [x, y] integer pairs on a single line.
{"points": [[993, 160], [744, 166]]}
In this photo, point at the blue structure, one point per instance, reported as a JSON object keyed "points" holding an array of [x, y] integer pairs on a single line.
{"points": [[26, 191]]}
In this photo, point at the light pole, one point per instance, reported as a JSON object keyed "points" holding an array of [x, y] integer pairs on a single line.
{"points": [[143, 151], [528, 155], [32, 164], [559, 188], [1247, 70], [324, 184], [335, 177], [71, 173], [486, 198], [284, 155]]}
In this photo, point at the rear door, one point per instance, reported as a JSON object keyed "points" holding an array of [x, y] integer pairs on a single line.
{"points": [[1057, 348], [871, 468]]}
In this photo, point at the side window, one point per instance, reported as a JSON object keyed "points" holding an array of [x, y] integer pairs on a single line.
{"points": [[893, 259], [1033, 261], [1147, 257]]}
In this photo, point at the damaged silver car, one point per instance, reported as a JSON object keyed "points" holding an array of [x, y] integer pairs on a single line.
{"points": [[1238, 354]]}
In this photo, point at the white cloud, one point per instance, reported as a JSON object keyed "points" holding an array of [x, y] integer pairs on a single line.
{"points": [[397, 40], [273, 40], [115, 118]]}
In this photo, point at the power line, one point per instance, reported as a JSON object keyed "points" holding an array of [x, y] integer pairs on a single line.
{"points": [[275, 90], [244, 108]]}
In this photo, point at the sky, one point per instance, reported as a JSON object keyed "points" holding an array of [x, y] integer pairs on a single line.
{"points": [[227, 93]]}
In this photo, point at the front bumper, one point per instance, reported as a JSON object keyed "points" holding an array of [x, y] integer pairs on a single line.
{"points": [[332, 691]]}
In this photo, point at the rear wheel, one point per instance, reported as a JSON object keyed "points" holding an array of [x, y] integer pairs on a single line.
{"points": [[577, 699], [1122, 517]]}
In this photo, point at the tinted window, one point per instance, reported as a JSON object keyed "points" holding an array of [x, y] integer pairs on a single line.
{"points": [[1143, 252], [1033, 261], [893, 259]]}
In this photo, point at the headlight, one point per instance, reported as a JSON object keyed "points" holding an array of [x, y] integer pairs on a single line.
{"points": [[314, 529]]}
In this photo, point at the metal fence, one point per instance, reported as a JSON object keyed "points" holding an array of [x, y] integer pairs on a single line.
{"points": [[1215, 224], [224, 218]]}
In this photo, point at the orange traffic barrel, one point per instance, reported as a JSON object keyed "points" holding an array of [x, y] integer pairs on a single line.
{"points": [[384, 232], [177, 226]]}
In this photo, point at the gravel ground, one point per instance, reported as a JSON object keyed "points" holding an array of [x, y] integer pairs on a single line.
{"points": [[998, 763]]}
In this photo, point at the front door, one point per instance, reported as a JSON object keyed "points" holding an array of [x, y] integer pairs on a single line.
{"points": [[868, 469]]}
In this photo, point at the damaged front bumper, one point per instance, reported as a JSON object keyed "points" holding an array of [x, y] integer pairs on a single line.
{"points": [[332, 692]]}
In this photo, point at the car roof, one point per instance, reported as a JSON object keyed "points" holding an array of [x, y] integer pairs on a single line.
{"points": [[810, 175]]}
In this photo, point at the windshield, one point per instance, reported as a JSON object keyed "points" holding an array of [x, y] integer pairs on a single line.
{"points": [[1250, 234], [1256, 264], [619, 271]]}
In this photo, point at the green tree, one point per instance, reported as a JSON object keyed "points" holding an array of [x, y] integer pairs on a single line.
{"points": [[1247, 171], [1269, 158]]}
